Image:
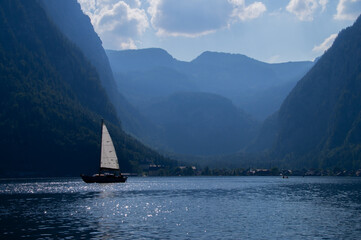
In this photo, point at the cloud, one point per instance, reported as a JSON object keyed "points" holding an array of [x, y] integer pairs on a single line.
{"points": [[189, 18], [193, 18], [348, 10], [251, 11], [305, 9], [123, 19], [118, 23], [323, 4], [326, 44]]}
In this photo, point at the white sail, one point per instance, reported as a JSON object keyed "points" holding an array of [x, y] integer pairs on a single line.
{"points": [[108, 158]]}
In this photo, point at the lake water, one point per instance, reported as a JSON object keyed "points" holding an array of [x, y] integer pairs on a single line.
{"points": [[182, 208]]}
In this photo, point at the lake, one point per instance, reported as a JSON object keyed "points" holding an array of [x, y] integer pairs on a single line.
{"points": [[182, 208]]}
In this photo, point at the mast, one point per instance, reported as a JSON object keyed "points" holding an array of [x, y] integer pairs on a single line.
{"points": [[101, 145]]}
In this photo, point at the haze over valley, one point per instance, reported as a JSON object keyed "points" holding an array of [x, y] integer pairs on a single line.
{"points": [[191, 119], [213, 104], [220, 109]]}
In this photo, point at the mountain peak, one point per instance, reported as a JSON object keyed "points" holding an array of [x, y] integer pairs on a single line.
{"points": [[151, 53], [216, 58], [134, 59]]}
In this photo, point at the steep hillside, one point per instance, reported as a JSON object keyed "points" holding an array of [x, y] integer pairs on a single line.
{"points": [[51, 101], [76, 26], [201, 124], [320, 119]]}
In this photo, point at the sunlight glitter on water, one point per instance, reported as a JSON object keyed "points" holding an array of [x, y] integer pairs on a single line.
{"points": [[182, 208]]}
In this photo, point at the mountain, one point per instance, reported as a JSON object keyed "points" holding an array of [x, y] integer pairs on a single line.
{"points": [[319, 123], [146, 75], [146, 87], [140, 60], [197, 123], [150, 77], [249, 83], [76, 26], [52, 100]]}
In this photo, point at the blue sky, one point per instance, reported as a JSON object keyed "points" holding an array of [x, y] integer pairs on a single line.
{"points": [[267, 30]]}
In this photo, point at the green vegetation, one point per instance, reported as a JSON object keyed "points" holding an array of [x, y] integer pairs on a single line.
{"points": [[64, 14], [52, 99], [320, 121], [193, 171], [51, 102]]}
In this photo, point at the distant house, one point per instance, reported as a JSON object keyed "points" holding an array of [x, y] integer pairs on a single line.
{"points": [[259, 172], [153, 169], [262, 172]]}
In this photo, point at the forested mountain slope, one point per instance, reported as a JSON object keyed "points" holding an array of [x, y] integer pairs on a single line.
{"points": [[51, 101], [76, 26], [320, 121]]}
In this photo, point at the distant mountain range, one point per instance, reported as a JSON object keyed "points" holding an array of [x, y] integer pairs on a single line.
{"points": [[173, 94], [319, 123], [56, 83], [52, 100], [256, 87]]}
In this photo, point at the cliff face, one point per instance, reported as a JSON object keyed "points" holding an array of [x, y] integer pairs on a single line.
{"points": [[319, 122], [52, 100], [76, 26]]}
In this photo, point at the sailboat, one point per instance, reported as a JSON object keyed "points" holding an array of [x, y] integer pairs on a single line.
{"points": [[109, 165]]}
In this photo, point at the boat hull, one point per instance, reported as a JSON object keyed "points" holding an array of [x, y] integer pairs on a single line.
{"points": [[104, 179]]}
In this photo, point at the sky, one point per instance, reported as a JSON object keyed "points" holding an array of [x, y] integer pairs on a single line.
{"points": [[266, 30]]}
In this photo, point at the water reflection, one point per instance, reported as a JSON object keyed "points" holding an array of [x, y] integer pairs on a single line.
{"points": [[182, 208]]}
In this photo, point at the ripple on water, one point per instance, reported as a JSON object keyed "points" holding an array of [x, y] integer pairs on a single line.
{"points": [[182, 208]]}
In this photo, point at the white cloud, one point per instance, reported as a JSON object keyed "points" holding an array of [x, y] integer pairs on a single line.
{"points": [[326, 44], [305, 9], [128, 44], [244, 12], [120, 23], [193, 18], [117, 22], [123, 19], [348, 10], [189, 18]]}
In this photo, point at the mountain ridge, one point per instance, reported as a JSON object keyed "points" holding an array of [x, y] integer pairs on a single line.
{"points": [[255, 87], [319, 121], [235, 76], [64, 14], [52, 101]]}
